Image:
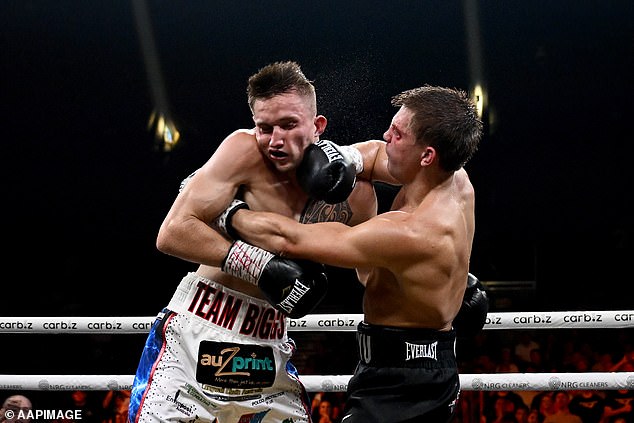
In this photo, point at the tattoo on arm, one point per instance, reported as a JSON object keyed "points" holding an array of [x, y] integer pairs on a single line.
{"points": [[319, 211]]}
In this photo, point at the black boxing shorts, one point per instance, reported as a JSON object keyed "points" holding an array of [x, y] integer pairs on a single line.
{"points": [[403, 375]]}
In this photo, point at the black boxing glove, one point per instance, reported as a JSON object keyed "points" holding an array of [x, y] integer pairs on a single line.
{"points": [[473, 312], [294, 287], [328, 171]]}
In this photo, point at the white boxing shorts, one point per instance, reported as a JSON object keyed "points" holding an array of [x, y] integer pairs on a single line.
{"points": [[217, 355]]}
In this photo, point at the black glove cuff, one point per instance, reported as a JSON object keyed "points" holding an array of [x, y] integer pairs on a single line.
{"points": [[223, 221]]}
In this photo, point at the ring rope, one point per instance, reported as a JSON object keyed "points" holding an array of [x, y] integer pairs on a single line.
{"points": [[323, 322], [336, 322], [339, 383]]}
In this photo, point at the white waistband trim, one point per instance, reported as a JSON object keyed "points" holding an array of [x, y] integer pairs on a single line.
{"points": [[216, 306]]}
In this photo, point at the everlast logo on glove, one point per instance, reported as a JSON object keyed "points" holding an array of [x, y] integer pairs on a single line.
{"points": [[237, 366], [291, 299], [294, 287], [328, 148]]}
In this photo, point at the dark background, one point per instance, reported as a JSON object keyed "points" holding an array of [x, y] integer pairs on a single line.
{"points": [[87, 185]]}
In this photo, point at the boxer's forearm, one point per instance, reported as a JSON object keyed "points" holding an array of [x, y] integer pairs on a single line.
{"points": [[289, 238], [266, 230]]}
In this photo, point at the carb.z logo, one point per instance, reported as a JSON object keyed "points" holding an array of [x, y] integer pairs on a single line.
{"points": [[493, 320], [229, 365]]}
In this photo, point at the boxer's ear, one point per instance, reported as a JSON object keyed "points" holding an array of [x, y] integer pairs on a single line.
{"points": [[320, 124], [428, 156]]}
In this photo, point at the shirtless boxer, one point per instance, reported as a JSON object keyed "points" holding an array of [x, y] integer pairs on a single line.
{"points": [[413, 260], [219, 352]]}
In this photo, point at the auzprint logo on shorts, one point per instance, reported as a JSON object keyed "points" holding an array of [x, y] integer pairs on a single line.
{"points": [[229, 365]]}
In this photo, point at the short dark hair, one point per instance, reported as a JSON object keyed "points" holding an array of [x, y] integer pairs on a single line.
{"points": [[279, 78], [446, 119]]}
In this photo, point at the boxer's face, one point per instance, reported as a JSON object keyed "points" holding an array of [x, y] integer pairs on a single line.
{"points": [[402, 150], [284, 126]]}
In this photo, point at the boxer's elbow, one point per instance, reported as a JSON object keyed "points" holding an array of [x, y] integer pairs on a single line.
{"points": [[165, 239], [162, 243]]}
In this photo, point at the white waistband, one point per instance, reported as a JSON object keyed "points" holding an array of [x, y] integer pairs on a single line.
{"points": [[216, 306]]}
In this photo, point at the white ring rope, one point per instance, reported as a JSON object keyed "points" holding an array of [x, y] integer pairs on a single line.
{"points": [[341, 323], [323, 322], [339, 383]]}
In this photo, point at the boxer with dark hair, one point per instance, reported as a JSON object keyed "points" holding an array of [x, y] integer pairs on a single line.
{"points": [[220, 351], [413, 260]]}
